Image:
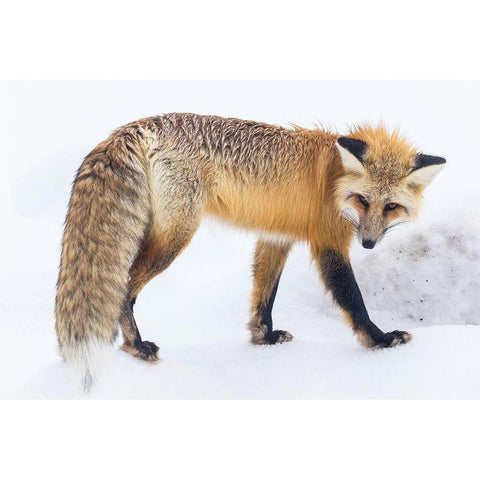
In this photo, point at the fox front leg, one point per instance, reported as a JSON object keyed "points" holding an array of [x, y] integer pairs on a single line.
{"points": [[270, 258], [338, 276]]}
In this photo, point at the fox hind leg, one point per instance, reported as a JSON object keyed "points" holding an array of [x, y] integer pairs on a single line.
{"points": [[270, 258], [178, 206], [156, 255], [132, 341]]}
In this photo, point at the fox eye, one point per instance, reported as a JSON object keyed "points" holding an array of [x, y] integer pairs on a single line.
{"points": [[390, 206], [363, 201]]}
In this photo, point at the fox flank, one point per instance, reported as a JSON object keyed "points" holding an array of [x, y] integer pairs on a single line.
{"points": [[140, 195]]}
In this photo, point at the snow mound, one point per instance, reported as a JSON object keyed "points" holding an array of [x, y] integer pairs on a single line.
{"points": [[430, 275]]}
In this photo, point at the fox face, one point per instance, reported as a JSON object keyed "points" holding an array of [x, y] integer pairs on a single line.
{"points": [[383, 181]]}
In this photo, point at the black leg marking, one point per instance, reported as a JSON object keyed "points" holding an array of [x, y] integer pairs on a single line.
{"points": [[340, 280], [133, 342], [271, 336], [266, 310]]}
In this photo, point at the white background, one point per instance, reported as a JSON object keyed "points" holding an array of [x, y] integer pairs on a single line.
{"points": [[361, 40]]}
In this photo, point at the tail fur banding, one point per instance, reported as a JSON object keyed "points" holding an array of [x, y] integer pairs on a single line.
{"points": [[108, 214]]}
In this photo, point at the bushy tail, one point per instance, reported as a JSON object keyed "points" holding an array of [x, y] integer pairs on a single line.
{"points": [[107, 216]]}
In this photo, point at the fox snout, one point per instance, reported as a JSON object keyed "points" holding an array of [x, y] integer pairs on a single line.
{"points": [[368, 244], [371, 228]]}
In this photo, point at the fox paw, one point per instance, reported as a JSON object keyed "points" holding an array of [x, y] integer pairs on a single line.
{"points": [[278, 336], [271, 338], [147, 351], [392, 339]]}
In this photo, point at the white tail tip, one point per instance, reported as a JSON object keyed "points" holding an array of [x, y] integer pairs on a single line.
{"points": [[87, 360]]}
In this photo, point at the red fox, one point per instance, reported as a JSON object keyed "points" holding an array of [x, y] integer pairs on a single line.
{"points": [[140, 195]]}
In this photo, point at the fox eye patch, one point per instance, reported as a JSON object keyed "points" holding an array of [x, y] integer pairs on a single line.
{"points": [[363, 200], [390, 206]]}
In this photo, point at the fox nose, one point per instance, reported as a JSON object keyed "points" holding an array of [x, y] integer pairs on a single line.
{"points": [[368, 244]]}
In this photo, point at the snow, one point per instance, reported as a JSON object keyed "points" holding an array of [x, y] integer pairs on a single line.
{"points": [[424, 277]]}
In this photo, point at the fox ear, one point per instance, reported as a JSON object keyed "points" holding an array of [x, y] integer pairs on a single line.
{"points": [[352, 152], [424, 169]]}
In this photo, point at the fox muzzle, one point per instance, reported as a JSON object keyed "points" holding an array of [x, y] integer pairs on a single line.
{"points": [[368, 244]]}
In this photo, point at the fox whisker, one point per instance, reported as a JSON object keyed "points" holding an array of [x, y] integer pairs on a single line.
{"points": [[393, 226], [350, 219]]}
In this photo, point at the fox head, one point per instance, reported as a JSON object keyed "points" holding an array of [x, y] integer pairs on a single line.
{"points": [[384, 177]]}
